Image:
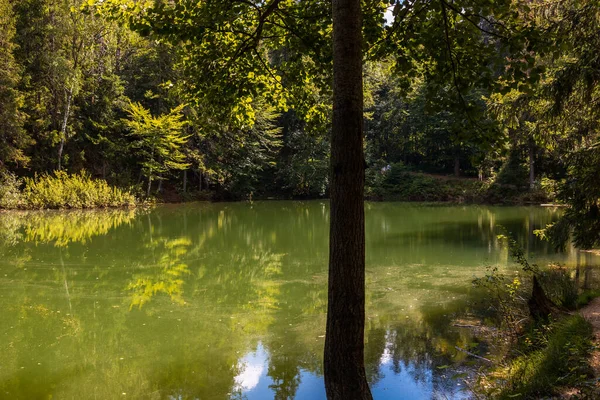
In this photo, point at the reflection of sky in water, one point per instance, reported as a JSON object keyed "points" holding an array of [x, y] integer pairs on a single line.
{"points": [[401, 382], [252, 368], [253, 383]]}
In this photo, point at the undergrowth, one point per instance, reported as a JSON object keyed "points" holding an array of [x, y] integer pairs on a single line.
{"points": [[401, 183], [552, 356], [545, 355], [62, 190]]}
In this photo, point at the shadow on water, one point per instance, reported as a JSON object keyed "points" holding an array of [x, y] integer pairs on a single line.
{"points": [[228, 301]]}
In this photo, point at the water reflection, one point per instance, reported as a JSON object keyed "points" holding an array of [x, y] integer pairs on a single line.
{"points": [[219, 301]]}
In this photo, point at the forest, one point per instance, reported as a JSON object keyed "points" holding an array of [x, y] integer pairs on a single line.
{"points": [[501, 94], [118, 103]]}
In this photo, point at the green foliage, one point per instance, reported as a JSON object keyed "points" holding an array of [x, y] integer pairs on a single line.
{"points": [[560, 287], [242, 161], [159, 141], [550, 188], [507, 296], [398, 182], [581, 221], [479, 88], [10, 193], [513, 172], [510, 293], [13, 138], [303, 167], [546, 356], [586, 296], [62, 190]]}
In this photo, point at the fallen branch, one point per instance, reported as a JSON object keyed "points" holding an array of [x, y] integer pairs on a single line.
{"points": [[473, 355]]}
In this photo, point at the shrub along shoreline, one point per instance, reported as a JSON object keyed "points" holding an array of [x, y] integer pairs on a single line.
{"points": [[61, 190], [399, 183]]}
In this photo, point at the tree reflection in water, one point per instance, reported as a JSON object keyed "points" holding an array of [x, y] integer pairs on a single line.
{"points": [[218, 301]]}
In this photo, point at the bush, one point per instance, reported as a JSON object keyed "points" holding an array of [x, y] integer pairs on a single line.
{"points": [[398, 182], [62, 190], [550, 188], [513, 172], [10, 195], [560, 287]]}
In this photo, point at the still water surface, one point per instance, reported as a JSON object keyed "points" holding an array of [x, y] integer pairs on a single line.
{"points": [[228, 301]]}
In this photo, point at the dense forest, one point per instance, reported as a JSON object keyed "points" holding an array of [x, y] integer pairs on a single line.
{"points": [[502, 95]]}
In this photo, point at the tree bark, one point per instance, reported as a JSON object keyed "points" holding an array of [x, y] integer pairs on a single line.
{"points": [[531, 163], [456, 162], [345, 376], [63, 128], [540, 306]]}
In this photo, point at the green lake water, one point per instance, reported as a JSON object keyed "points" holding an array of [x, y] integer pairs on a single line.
{"points": [[228, 300]]}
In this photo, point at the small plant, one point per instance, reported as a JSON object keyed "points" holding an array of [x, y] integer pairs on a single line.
{"points": [[508, 299]]}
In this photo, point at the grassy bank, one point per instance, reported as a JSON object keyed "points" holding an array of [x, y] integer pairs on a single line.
{"points": [[61, 191], [543, 357], [548, 360]]}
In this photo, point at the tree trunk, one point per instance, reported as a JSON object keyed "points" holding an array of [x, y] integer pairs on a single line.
{"points": [[63, 129], [531, 163], [344, 370], [540, 306], [457, 163], [184, 180]]}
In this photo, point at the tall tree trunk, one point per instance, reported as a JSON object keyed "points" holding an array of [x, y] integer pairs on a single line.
{"points": [[345, 376], [184, 180], [63, 128], [456, 162], [531, 163]]}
